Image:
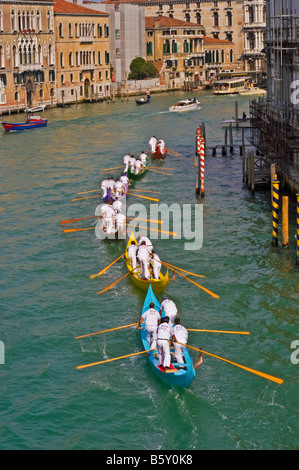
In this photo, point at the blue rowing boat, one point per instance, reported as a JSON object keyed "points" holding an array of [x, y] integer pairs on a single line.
{"points": [[183, 374]]}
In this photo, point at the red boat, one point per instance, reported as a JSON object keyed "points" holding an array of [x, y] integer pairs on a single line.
{"points": [[158, 154], [31, 123]]}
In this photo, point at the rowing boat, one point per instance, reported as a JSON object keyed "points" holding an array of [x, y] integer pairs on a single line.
{"points": [[158, 154], [158, 285], [135, 176], [31, 123], [181, 375]]}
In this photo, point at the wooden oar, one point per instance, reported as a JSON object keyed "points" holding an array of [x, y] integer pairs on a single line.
{"points": [[111, 285], [172, 152], [157, 230], [107, 267], [144, 191], [113, 168], [162, 168], [80, 198], [198, 285], [219, 331], [163, 172], [262, 374], [113, 359], [105, 331], [78, 229], [91, 191], [144, 197], [95, 216], [183, 270]]}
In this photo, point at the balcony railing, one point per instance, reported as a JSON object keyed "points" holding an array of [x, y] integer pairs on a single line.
{"points": [[86, 39], [87, 67], [30, 67]]}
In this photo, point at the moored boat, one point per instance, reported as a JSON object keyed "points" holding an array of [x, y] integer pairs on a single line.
{"points": [[158, 285], [185, 105], [36, 109], [31, 123], [181, 375]]}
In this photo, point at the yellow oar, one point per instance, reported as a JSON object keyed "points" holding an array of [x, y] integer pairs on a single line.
{"points": [[163, 168], [78, 229], [111, 285], [219, 331], [80, 198], [157, 230], [95, 216], [198, 285], [144, 197], [91, 191], [113, 168], [183, 270], [172, 152], [144, 191], [107, 267], [105, 331], [113, 359], [266, 376], [163, 172]]}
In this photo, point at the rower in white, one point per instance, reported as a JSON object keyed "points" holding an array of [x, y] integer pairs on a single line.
{"points": [[180, 334], [107, 216], [153, 143], [170, 309], [126, 162], [143, 258], [132, 254], [156, 264], [151, 318]]}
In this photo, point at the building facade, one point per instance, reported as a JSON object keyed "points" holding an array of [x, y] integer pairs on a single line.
{"points": [[178, 45], [254, 35], [82, 51], [27, 54], [276, 121]]}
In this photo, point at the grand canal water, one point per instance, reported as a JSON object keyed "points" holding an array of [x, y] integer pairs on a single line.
{"points": [[48, 298]]}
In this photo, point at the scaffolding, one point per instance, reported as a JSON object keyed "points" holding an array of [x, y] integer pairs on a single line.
{"points": [[275, 120]]}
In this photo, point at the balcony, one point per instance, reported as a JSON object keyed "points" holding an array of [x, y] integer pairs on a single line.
{"points": [[87, 67], [30, 67], [86, 39]]}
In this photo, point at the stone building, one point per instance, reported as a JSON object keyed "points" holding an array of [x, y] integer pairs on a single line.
{"points": [[178, 46], [254, 35], [82, 52], [27, 54]]}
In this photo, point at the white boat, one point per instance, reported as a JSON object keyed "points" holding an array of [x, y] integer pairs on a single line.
{"points": [[185, 105], [252, 91], [36, 109], [232, 122]]}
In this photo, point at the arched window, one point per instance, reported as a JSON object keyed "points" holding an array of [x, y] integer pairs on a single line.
{"points": [[48, 20], [186, 46], [14, 56], [174, 47], [222, 55], [38, 21], [60, 30], [229, 18], [12, 19], [17, 96]]}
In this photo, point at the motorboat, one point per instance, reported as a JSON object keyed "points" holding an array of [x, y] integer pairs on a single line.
{"points": [[190, 104]]}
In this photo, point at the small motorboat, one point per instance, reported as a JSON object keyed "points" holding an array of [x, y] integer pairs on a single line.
{"points": [[184, 105], [252, 91], [31, 123], [36, 109], [143, 100]]}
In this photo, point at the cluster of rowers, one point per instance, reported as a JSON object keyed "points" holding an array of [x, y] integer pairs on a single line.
{"points": [[160, 331], [136, 165]]}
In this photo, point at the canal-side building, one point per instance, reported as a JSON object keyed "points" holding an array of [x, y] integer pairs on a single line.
{"points": [[275, 121], [221, 19], [83, 70], [254, 26], [176, 48], [27, 54]]}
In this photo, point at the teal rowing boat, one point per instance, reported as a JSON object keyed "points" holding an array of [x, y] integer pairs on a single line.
{"points": [[183, 374]]}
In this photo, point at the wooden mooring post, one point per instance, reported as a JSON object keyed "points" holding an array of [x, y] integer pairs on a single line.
{"points": [[297, 230]]}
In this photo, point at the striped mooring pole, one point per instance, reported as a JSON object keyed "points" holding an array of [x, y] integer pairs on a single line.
{"points": [[202, 167], [275, 207], [297, 230]]}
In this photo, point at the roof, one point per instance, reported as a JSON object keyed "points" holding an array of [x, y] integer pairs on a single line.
{"points": [[63, 6], [165, 21]]}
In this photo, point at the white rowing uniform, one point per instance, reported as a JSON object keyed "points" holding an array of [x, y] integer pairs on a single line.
{"points": [[155, 261], [143, 257], [117, 206], [132, 249], [104, 187], [151, 317], [170, 309], [163, 337], [139, 166], [181, 335], [124, 179], [153, 143], [144, 158], [147, 242], [107, 213], [119, 189], [161, 145], [120, 223], [126, 162]]}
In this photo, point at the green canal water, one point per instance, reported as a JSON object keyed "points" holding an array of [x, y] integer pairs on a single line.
{"points": [[48, 298]]}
